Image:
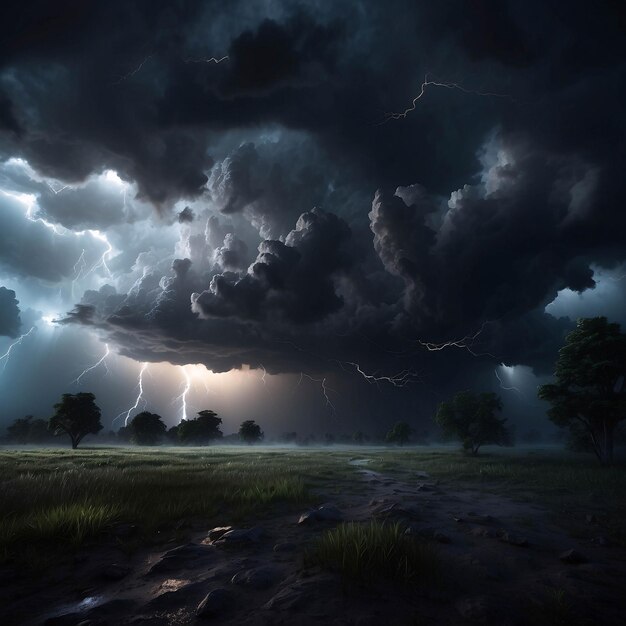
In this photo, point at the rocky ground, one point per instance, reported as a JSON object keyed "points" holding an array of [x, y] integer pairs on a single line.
{"points": [[504, 562]]}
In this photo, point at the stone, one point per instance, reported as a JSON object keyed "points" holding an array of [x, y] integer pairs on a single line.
{"points": [[181, 556], [300, 593], [214, 603], [324, 513], [285, 546], [422, 474], [217, 532], [257, 578], [115, 571], [241, 535], [441, 537], [395, 509], [573, 557]]}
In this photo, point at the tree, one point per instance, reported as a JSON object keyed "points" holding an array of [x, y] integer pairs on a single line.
{"points": [[201, 430], [39, 432], [250, 432], [147, 429], [400, 433], [589, 396], [472, 418], [18, 431], [76, 415], [28, 430]]}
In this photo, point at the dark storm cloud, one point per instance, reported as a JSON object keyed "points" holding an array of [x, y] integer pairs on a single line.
{"points": [[9, 313], [186, 215], [30, 248], [292, 121]]}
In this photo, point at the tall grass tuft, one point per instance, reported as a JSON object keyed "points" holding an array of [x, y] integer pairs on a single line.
{"points": [[365, 552]]}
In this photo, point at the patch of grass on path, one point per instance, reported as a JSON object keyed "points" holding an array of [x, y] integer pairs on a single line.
{"points": [[375, 550]]}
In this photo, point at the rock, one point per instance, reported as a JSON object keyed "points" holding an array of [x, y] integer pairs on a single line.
{"points": [[514, 540], [300, 593], [217, 532], [572, 557], [214, 603], [324, 513], [115, 571], [395, 509], [591, 519], [441, 537], [240, 535], [258, 578], [422, 474], [181, 556], [285, 546]]}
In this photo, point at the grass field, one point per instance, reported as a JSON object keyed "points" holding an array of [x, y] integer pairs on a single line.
{"points": [[58, 499]]}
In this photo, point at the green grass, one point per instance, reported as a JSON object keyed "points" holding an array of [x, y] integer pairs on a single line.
{"points": [[62, 498], [367, 552]]}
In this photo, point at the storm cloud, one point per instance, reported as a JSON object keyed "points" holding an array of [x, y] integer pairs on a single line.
{"points": [[222, 183]]}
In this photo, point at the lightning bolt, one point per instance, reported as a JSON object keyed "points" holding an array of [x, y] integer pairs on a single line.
{"points": [[29, 200], [324, 387], [214, 60], [431, 83], [401, 379], [102, 261], [465, 343], [495, 371], [101, 361], [134, 71], [6, 356], [182, 398], [139, 399]]}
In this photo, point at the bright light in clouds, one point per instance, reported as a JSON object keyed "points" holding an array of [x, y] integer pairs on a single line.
{"points": [[112, 177]]}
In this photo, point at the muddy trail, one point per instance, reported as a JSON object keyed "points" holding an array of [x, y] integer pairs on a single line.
{"points": [[502, 562]]}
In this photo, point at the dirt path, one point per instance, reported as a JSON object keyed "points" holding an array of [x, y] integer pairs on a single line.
{"points": [[502, 563]]}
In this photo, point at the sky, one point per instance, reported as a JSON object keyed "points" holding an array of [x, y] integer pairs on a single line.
{"points": [[324, 216]]}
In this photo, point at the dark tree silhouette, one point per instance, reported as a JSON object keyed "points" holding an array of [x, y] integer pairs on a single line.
{"points": [[124, 434], [147, 429], [250, 432], [589, 396], [19, 430], [472, 418], [172, 435], [76, 415], [201, 430], [400, 433]]}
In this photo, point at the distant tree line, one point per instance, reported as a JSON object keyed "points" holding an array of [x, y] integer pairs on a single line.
{"points": [[78, 415], [587, 400]]}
